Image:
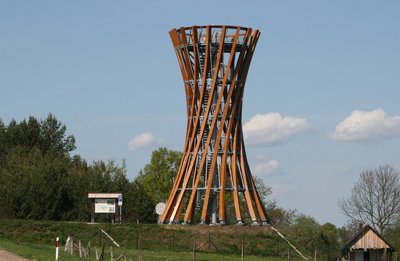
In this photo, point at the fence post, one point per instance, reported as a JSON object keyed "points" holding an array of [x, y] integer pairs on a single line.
{"points": [[57, 247], [72, 246], [173, 240], [194, 250], [138, 247], [279, 249], [80, 248], [101, 257], [242, 256]]}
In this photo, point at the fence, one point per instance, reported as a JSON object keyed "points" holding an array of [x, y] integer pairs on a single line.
{"points": [[191, 242]]}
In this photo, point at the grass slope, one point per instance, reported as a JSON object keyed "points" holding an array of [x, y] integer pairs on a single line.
{"points": [[36, 240]]}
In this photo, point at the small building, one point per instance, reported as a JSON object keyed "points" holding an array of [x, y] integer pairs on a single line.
{"points": [[368, 245]]}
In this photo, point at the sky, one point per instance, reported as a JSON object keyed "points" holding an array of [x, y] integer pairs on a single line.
{"points": [[321, 102]]}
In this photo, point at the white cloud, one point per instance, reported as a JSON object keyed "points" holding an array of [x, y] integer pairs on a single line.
{"points": [[272, 128], [143, 140], [367, 126], [265, 167]]}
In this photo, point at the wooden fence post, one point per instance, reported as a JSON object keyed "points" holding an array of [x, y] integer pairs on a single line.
{"points": [[242, 256], [173, 240], [194, 250], [209, 242], [80, 248]]}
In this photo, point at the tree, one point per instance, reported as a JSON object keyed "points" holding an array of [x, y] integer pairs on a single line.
{"points": [[48, 135], [138, 205], [280, 217], [32, 185], [328, 242], [53, 137], [98, 177], [157, 177], [3, 130], [392, 235], [375, 198], [40, 180], [302, 233], [263, 190]]}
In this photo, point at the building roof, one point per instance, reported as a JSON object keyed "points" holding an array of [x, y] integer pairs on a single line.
{"points": [[367, 238]]}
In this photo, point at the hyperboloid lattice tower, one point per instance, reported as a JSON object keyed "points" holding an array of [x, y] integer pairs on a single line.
{"points": [[214, 184]]}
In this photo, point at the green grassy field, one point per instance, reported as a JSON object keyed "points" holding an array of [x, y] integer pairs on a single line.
{"points": [[35, 240]]}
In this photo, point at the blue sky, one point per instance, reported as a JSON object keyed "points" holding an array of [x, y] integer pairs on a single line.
{"points": [[321, 102]]}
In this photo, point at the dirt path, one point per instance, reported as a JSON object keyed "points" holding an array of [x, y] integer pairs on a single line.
{"points": [[7, 256]]}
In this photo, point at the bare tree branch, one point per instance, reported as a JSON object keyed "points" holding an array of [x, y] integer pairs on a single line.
{"points": [[375, 198]]}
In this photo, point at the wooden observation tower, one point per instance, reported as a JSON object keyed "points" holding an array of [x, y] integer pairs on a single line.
{"points": [[214, 184]]}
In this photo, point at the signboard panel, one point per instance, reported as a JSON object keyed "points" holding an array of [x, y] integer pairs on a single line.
{"points": [[102, 205]]}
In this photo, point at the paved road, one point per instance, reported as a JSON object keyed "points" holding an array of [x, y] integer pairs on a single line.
{"points": [[7, 256]]}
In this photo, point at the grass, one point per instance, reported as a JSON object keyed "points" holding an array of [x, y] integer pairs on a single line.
{"points": [[36, 240], [36, 252]]}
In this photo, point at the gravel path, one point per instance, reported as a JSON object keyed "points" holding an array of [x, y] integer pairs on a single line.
{"points": [[7, 256]]}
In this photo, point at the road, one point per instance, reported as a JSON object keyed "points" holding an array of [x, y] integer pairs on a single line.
{"points": [[7, 256]]}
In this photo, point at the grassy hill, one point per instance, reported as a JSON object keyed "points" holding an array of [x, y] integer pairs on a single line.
{"points": [[152, 242]]}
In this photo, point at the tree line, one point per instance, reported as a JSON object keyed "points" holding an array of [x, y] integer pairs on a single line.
{"points": [[41, 179]]}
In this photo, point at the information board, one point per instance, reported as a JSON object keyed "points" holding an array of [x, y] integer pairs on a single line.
{"points": [[104, 205]]}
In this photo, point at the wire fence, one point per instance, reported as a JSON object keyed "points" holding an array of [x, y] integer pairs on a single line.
{"points": [[181, 244]]}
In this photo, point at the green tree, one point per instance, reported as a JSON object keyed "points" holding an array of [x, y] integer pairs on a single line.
{"points": [[80, 182], [137, 205], [48, 135], [328, 244], [40, 180], [312, 238], [157, 177], [392, 235], [33, 185], [304, 232], [53, 137], [280, 217], [3, 140], [98, 177]]}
